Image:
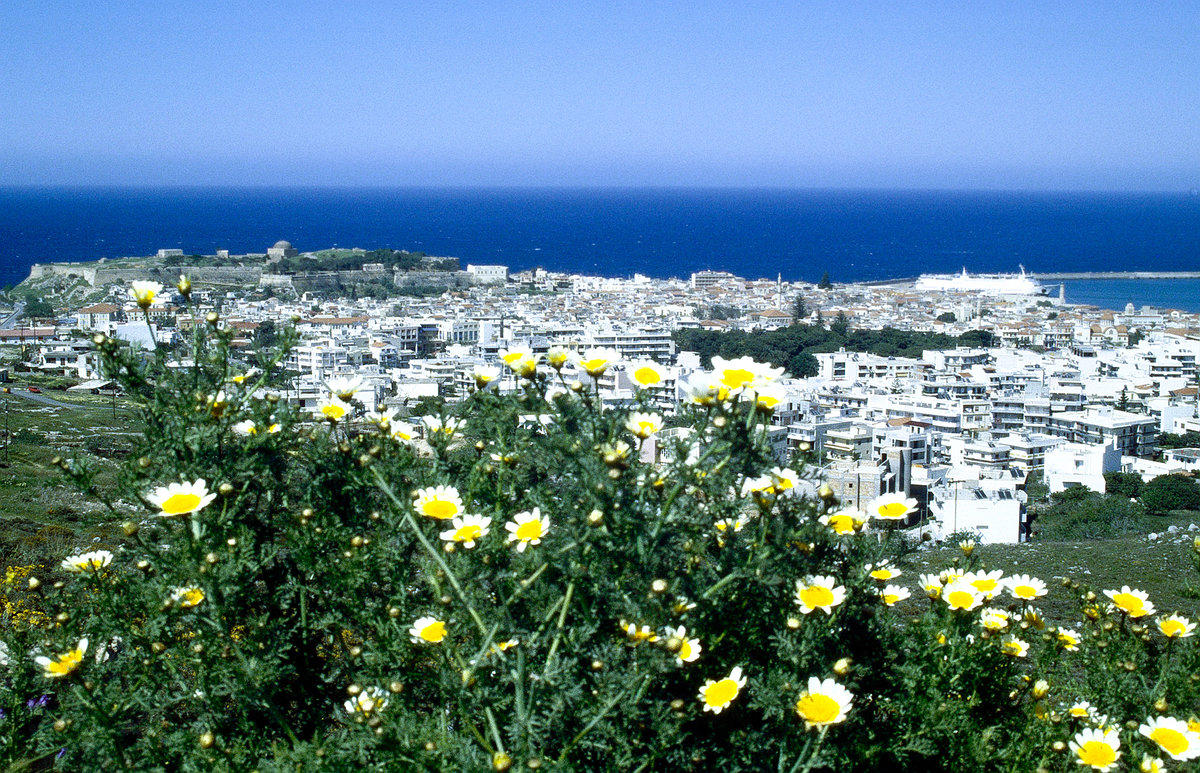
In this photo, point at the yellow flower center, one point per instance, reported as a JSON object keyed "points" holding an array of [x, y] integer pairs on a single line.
{"points": [[1025, 591], [434, 632], [719, 694], [1078, 711], [1129, 604], [178, 504], [1097, 754], [645, 428], [818, 709], [893, 510], [512, 357], [1012, 648], [646, 376], [960, 599], [1172, 628], [191, 597], [65, 663], [440, 509], [736, 378], [768, 401], [816, 596], [1173, 742], [842, 524], [890, 598], [530, 530], [882, 574], [1068, 640], [685, 650], [468, 533], [333, 411], [985, 585]]}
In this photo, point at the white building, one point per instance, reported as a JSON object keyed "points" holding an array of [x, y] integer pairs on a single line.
{"points": [[1079, 464], [487, 275]]}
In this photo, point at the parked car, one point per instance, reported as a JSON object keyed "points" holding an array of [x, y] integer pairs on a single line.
{"points": [[35, 390]]}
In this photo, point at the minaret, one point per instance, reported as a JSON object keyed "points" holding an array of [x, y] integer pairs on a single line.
{"points": [[779, 291], [1062, 293]]}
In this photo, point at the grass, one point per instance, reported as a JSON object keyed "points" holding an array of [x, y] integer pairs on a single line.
{"points": [[1162, 568], [41, 516]]}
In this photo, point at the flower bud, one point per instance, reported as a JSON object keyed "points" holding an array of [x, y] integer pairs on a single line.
{"points": [[842, 667], [501, 762]]}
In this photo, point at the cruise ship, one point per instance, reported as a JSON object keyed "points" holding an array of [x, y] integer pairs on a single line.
{"points": [[984, 284]]}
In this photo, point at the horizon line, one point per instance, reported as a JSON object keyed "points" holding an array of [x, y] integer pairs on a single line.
{"points": [[134, 186]]}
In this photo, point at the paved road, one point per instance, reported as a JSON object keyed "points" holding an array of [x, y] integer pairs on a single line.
{"points": [[10, 322], [25, 395]]}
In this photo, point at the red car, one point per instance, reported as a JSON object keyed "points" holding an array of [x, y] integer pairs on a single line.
{"points": [[35, 390]]}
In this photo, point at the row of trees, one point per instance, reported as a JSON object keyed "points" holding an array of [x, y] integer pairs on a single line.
{"points": [[350, 260], [794, 346]]}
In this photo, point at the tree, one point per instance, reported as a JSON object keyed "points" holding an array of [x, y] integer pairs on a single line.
{"points": [[803, 365], [1173, 440], [265, 335], [840, 325], [1125, 484], [947, 316], [799, 308], [36, 308], [825, 284], [1123, 400], [1171, 492]]}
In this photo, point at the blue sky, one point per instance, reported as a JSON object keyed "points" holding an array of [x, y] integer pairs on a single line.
{"points": [[1025, 95]]}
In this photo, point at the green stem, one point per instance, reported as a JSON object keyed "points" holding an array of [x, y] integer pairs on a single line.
{"points": [[491, 718], [596, 719], [433, 552], [812, 757], [721, 583], [562, 618]]}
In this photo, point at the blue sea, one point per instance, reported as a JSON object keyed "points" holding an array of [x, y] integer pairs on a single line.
{"points": [[799, 234]]}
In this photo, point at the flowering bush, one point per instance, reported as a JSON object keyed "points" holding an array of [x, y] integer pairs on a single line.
{"points": [[547, 582]]}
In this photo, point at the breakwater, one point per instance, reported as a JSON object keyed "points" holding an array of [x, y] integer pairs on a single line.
{"points": [[1126, 275]]}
